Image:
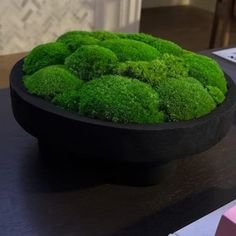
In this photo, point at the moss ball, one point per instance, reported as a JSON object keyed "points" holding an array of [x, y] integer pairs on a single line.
{"points": [[121, 100], [68, 100], [50, 81], [176, 66], [165, 46], [75, 41], [45, 55], [183, 100], [216, 94], [104, 35], [91, 62], [145, 38], [73, 34], [162, 45], [190, 80], [152, 73], [206, 70], [130, 50], [99, 35]]}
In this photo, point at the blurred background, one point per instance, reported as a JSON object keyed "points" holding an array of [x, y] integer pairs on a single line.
{"points": [[26, 23]]}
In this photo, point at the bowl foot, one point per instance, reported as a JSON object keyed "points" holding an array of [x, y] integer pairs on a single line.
{"points": [[104, 171]]}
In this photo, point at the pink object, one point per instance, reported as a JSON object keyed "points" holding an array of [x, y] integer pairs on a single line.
{"points": [[227, 225]]}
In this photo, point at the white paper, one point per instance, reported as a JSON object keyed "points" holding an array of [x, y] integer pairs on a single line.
{"points": [[228, 54], [207, 225]]}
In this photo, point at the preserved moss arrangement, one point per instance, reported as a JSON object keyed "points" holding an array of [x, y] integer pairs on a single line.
{"points": [[124, 78]]}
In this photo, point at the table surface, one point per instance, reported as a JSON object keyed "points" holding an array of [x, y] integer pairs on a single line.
{"points": [[6, 63], [39, 201]]}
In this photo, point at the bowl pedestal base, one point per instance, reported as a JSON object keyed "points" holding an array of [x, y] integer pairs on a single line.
{"points": [[94, 169]]}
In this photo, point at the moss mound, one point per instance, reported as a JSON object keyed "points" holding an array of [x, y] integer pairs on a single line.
{"points": [[91, 62], [120, 99], [130, 50], [206, 70], [99, 35], [184, 100], [190, 80], [216, 94], [104, 35], [145, 38], [50, 81], [165, 46], [45, 55], [73, 34], [75, 41], [152, 73], [176, 66], [156, 71], [162, 45], [68, 100]]}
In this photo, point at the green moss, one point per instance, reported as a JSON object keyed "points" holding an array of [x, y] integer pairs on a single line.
{"points": [[68, 100], [130, 50], [164, 46], [206, 70], [176, 66], [50, 81], [190, 80], [153, 72], [45, 55], [121, 100], [73, 34], [147, 79], [99, 35], [104, 35], [75, 41], [145, 38], [184, 100], [91, 61], [216, 94]]}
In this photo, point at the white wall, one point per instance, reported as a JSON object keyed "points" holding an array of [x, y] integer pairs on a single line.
{"points": [[26, 23], [118, 15]]}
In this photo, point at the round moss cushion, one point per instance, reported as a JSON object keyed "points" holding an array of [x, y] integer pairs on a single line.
{"points": [[165, 46], [206, 70], [175, 66], [104, 35], [45, 55], [130, 50], [145, 38], [152, 73], [216, 94], [50, 81], [98, 35], [68, 100], [120, 99], [75, 41], [73, 34], [184, 100], [92, 61]]}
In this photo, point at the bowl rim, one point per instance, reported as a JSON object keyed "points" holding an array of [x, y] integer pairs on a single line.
{"points": [[16, 76]]}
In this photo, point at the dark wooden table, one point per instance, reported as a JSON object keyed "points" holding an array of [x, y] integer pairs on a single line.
{"points": [[39, 201]]}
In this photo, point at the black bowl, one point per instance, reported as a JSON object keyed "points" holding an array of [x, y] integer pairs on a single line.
{"points": [[70, 134]]}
